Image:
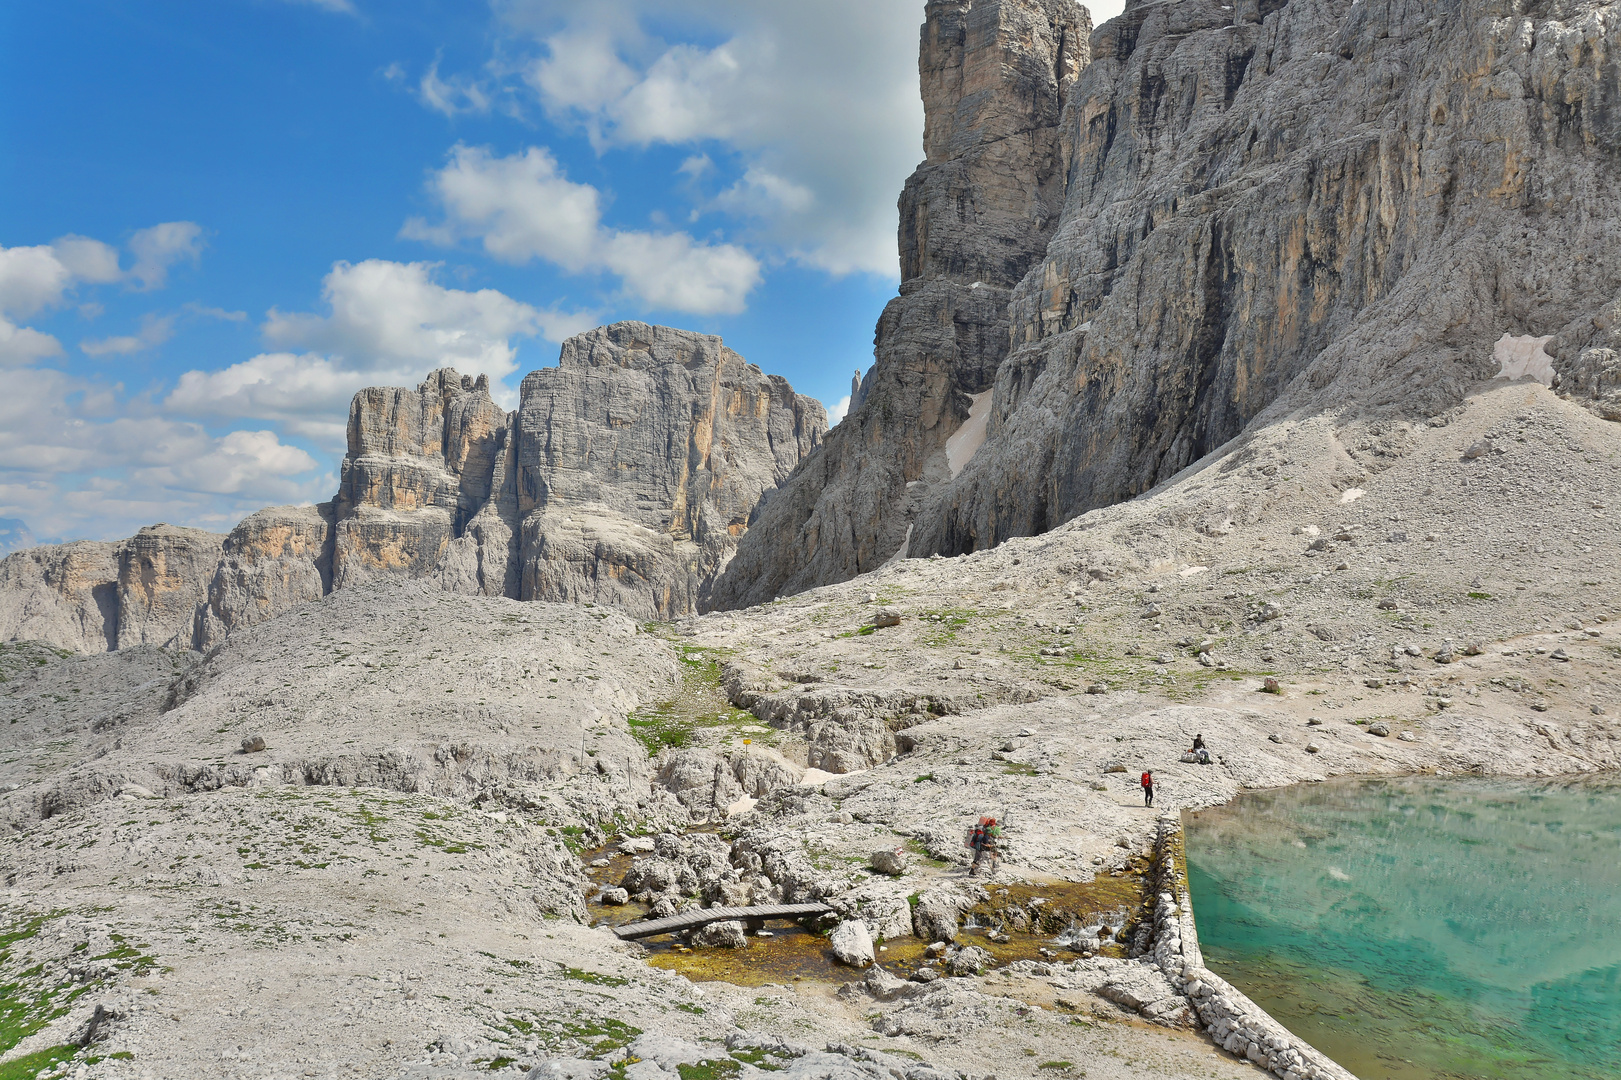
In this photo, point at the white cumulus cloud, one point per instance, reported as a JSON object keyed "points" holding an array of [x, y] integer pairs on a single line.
{"points": [[22, 345], [388, 315], [160, 247], [155, 330], [819, 100], [306, 395], [133, 464], [387, 323], [838, 411], [523, 207]]}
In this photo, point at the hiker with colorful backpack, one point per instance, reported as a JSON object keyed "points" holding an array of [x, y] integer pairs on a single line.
{"points": [[983, 840]]}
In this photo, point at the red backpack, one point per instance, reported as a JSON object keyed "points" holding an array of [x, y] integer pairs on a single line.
{"points": [[1148, 779]]}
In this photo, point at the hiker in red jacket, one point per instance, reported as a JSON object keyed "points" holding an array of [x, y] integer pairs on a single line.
{"points": [[1148, 788]]}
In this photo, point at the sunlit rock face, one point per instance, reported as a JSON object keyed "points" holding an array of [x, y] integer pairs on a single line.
{"points": [[92, 596], [625, 477], [163, 575], [974, 217], [418, 468], [639, 459], [1262, 209], [275, 560], [65, 595]]}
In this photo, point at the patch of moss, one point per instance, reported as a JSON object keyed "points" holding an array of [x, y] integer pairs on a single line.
{"points": [[595, 978], [699, 703], [753, 1055], [718, 1069], [31, 1065]]}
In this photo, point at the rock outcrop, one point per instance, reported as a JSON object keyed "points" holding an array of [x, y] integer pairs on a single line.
{"points": [[639, 460], [65, 595], [1291, 207], [625, 477], [271, 562], [974, 217], [95, 596]]}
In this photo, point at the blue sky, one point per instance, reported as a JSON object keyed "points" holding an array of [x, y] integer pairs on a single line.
{"points": [[218, 220]]}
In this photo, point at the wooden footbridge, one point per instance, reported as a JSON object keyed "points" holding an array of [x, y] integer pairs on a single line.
{"points": [[690, 920]]}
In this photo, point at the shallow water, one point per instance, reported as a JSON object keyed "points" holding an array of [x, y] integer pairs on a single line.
{"points": [[1424, 928], [1054, 914]]}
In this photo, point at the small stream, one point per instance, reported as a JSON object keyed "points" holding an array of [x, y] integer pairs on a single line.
{"points": [[1421, 928], [1055, 920]]}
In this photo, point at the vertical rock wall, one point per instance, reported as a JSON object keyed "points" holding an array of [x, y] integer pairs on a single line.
{"points": [[639, 460], [974, 217], [65, 595], [1267, 207], [625, 477], [1318, 205], [163, 575]]}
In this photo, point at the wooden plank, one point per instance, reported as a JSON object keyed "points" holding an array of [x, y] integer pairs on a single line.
{"points": [[704, 916]]}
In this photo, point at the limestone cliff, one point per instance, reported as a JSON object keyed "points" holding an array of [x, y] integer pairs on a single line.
{"points": [[639, 459], [974, 217], [273, 561], [1283, 207], [92, 596], [625, 477], [1319, 205]]}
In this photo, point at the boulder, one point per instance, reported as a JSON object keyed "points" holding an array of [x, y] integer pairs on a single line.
{"points": [[968, 961], [851, 943], [936, 914], [720, 935], [891, 861]]}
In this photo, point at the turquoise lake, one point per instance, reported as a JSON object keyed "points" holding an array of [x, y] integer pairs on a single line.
{"points": [[1422, 928]]}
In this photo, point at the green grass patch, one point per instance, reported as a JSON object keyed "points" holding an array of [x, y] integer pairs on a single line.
{"points": [[753, 1055], [595, 978], [718, 1069], [31, 1065], [699, 704]]}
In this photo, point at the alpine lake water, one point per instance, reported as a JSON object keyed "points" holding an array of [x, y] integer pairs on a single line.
{"points": [[1424, 928]]}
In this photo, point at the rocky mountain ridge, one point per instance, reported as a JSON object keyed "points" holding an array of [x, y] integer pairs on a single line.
{"points": [[625, 477], [1238, 216]]}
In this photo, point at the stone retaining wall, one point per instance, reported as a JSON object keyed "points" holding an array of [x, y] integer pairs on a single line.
{"points": [[1235, 1022]]}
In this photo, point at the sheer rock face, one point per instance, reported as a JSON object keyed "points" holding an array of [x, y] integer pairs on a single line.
{"points": [[639, 460], [1319, 205], [94, 596], [65, 595], [1303, 206], [163, 575], [273, 561], [625, 477], [419, 467], [973, 218]]}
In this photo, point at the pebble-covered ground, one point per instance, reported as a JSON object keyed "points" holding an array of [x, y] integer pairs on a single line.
{"points": [[392, 886]]}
